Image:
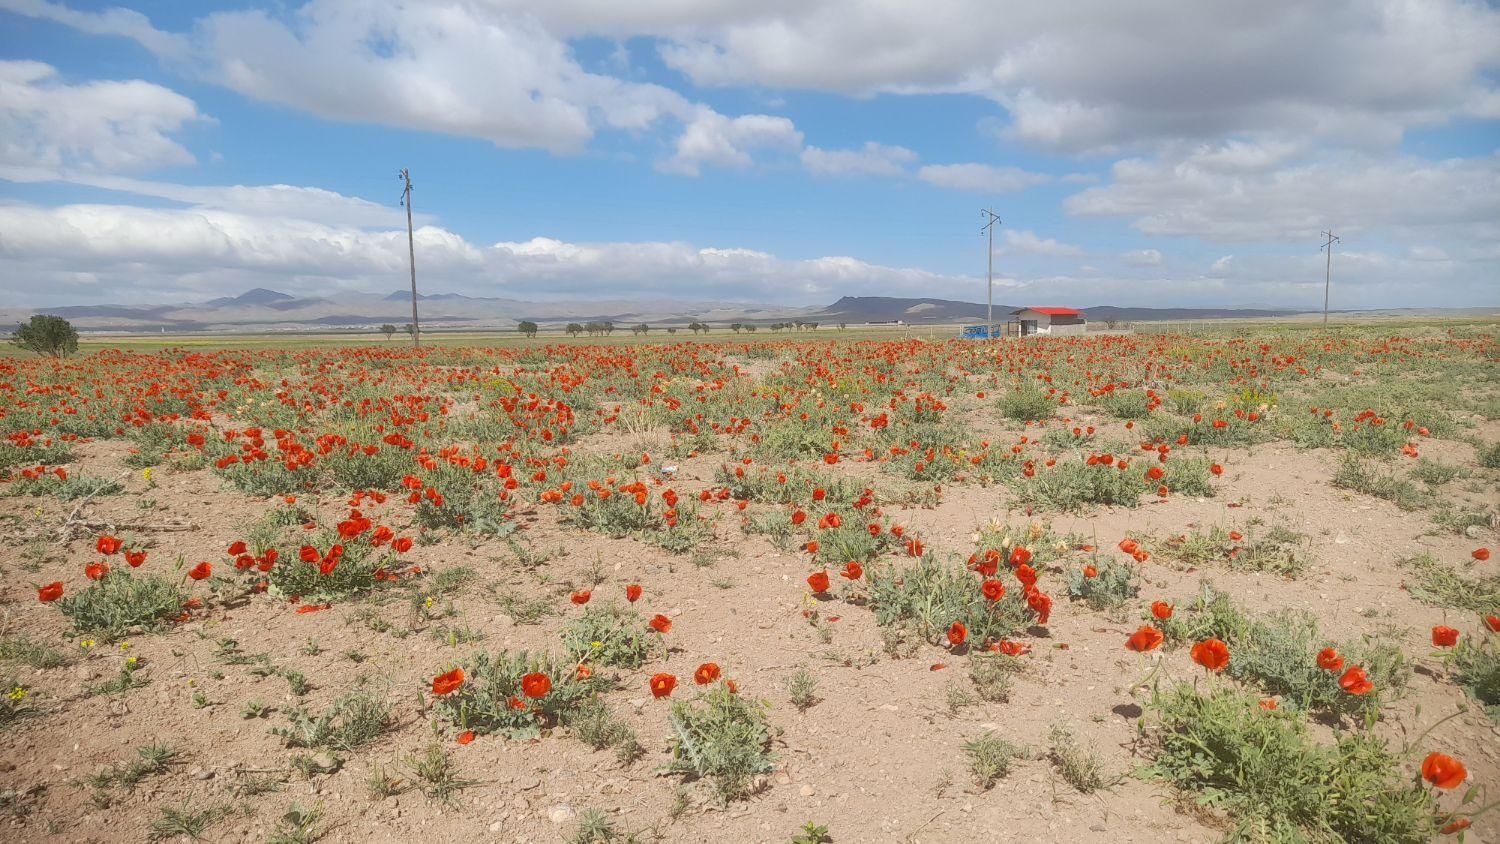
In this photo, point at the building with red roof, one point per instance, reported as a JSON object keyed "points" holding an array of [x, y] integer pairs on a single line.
{"points": [[1036, 319]]}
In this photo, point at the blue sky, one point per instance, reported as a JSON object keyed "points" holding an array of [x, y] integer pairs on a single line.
{"points": [[753, 151]]}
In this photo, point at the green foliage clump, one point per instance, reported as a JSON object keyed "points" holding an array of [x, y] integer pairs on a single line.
{"points": [[487, 701], [1278, 784], [612, 637], [722, 737], [120, 603]]}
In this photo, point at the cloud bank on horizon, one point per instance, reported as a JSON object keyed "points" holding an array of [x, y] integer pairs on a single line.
{"points": [[1150, 153]]}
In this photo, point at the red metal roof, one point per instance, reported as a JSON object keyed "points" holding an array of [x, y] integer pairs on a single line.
{"points": [[1053, 311]]}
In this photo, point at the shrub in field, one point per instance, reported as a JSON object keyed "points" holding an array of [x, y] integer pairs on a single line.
{"points": [[722, 737], [70, 488], [374, 467], [122, 602], [611, 637], [1278, 784], [1362, 477], [1026, 403], [596, 726], [1126, 404], [349, 722], [787, 484], [1078, 765], [632, 510], [334, 568], [1073, 485], [496, 697], [1186, 401], [20, 449], [852, 540], [1215, 428], [457, 497], [1441, 586], [1270, 550], [1279, 651], [990, 758], [932, 595], [1488, 456], [1111, 583], [1433, 473], [1476, 667], [992, 675]]}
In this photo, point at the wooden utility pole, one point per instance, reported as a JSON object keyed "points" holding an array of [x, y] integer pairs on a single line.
{"points": [[989, 290], [411, 250], [1328, 270]]}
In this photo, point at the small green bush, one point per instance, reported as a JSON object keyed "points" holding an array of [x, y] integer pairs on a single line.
{"points": [[1277, 784], [121, 603], [721, 737]]}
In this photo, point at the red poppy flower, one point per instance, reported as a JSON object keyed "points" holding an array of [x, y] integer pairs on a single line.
{"points": [[237, 549], [1456, 826], [1444, 771], [135, 558], [852, 570], [201, 571], [1268, 703], [582, 672], [1356, 682], [536, 684], [1216, 469], [49, 593], [1041, 604], [96, 571], [1329, 660], [706, 673], [1147, 638], [1481, 554], [402, 544], [662, 685], [1161, 610], [1020, 556], [914, 547], [309, 554], [799, 517], [957, 634], [448, 683], [1444, 637], [581, 597], [466, 736], [661, 623], [633, 592], [108, 545], [1212, 654], [993, 590], [1090, 572], [1493, 622], [818, 581]]}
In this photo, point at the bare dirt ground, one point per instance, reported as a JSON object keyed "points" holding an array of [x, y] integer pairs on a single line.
{"points": [[878, 757]]}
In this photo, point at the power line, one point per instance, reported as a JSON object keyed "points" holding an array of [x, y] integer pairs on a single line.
{"points": [[411, 249], [989, 290], [1328, 269]]}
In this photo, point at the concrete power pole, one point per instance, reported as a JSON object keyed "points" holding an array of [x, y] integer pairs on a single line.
{"points": [[1328, 270], [411, 249], [989, 290]]}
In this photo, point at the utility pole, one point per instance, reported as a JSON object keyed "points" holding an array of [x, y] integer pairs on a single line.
{"points": [[411, 249], [989, 290], [1328, 270]]}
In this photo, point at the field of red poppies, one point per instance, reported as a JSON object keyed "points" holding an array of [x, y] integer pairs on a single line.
{"points": [[1108, 588]]}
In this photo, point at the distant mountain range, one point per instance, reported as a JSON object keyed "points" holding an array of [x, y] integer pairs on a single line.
{"points": [[272, 310]]}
